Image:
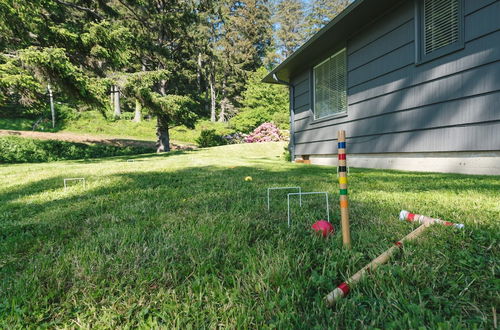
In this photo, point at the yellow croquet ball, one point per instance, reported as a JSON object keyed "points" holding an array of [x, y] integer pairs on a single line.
{"points": [[248, 178]]}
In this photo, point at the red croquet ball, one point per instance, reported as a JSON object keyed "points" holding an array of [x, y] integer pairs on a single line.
{"points": [[324, 227]]}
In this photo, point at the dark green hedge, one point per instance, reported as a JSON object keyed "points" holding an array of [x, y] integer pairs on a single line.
{"points": [[24, 150]]}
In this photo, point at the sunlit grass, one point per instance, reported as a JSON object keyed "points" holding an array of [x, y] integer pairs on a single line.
{"points": [[181, 240], [93, 123]]}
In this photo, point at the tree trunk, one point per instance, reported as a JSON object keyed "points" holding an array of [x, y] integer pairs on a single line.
{"points": [[52, 110], [212, 98], [163, 142], [222, 114], [198, 73], [117, 110], [112, 97], [138, 111], [163, 87]]}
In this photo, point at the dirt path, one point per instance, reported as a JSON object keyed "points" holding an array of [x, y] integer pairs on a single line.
{"points": [[85, 138]]}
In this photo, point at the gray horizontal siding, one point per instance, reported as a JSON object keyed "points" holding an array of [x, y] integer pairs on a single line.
{"points": [[302, 84], [388, 94], [478, 81], [302, 95], [480, 108], [395, 39], [392, 61], [472, 6], [460, 138], [482, 21], [476, 53], [380, 28]]}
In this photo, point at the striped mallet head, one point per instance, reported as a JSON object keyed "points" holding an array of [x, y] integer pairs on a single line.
{"points": [[411, 217]]}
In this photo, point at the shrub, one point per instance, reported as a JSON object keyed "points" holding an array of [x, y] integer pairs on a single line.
{"points": [[235, 138], [127, 116], [267, 132], [287, 155], [210, 138], [23, 150]]}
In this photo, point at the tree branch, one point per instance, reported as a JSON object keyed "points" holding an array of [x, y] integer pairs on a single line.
{"points": [[138, 18], [85, 9]]}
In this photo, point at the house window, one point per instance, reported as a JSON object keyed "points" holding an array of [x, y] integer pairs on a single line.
{"points": [[330, 82], [440, 27]]}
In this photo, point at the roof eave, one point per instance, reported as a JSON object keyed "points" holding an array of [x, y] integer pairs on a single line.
{"points": [[270, 78]]}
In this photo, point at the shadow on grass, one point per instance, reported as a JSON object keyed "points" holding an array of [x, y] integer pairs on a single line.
{"points": [[135, 157], [217, 190], [204, 229]]}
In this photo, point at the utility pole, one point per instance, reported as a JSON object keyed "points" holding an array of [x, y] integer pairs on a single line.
{"points": [[52, 110]]}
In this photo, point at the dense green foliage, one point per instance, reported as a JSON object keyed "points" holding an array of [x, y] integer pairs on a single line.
{"points": [[82, 49], [191, 135], [202, 54], [182, 241], [173, 60], [210, 138], [262, 103], [91, 122], [23, 150], [21, 124]]}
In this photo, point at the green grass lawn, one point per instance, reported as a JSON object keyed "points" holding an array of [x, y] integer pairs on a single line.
{"points": [[92, 122], [21, 124], [181, 240]]}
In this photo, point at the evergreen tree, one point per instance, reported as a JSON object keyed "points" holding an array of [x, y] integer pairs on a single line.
{"points": [[289, 17], [239, 33], [163, 43], [45, 41], [321, 12]]}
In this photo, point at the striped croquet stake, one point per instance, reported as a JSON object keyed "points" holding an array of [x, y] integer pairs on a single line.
{"points": [[343, 289], [411, 217], [344, 208]]}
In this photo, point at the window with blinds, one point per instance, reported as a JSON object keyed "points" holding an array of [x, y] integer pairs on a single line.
{"points": [[330, 84], [441, 24]]}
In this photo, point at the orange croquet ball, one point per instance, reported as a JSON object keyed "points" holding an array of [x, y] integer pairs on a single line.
{"points": [[323, 227]]}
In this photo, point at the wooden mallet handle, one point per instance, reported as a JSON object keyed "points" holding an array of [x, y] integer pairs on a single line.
{"points": [[344, 204]]}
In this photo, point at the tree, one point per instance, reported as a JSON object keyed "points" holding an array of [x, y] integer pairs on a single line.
{"points": [[237, 35], [248, 34], [262, 103], [163, 42], [63, 43], [321, 12], [171, 110], [51, 65], [289, 18], [19, 87]]}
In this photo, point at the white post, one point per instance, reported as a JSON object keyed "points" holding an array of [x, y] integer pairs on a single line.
{"points": [[117, 109], [52, 110]]}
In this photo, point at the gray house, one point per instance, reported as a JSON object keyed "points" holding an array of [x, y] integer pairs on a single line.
{"points": [[414, 83]]}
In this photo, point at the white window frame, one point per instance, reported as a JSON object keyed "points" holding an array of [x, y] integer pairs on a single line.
{"points": [[334, 114]]}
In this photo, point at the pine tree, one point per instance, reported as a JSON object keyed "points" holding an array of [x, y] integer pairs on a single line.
{"points": [[321, 12], [165, 48], [289, 17], [238, 34], [64, 44]]}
